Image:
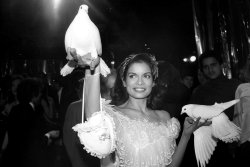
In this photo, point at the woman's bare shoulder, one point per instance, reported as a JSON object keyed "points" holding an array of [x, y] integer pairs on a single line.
{"points": [[163, 115], [118, 108]]}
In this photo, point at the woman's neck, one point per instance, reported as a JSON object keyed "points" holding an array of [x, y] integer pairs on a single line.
{"points": [[137, 104]]}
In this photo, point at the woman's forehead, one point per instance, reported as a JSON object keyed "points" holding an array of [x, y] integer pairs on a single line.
{"points": [[139, 66]]}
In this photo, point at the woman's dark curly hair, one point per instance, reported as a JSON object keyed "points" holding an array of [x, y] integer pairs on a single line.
{"points": [[120, 93]]}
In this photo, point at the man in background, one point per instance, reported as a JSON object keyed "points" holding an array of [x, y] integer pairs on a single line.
{"points": [[217, 89]]}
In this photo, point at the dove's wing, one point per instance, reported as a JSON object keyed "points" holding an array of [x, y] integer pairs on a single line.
{"points": [[224, 129], [72, 32], [97, 41], [226, 105], [105, 70], [205, 111], [66, 70], [68, 42], [81, 35], [204, 145]]}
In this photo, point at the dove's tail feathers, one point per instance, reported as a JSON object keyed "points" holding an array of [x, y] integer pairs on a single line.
{"points": [[66, 70], [229, 104], [224, 129], [104, 68], [204, 145]]}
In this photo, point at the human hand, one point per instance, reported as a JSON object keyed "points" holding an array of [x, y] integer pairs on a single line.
{"points": [[86, 60], [191, 125], [53, 134]]}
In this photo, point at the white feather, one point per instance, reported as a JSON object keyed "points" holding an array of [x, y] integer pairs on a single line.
{"points": [[221, 128], [224, 129], [66, 70], [104, 68], [204, 145], [207, 111]]}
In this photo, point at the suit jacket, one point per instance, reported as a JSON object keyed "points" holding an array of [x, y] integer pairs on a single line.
{"points": [[67, 97], [217, 90], [78, 156], [27, 143]]}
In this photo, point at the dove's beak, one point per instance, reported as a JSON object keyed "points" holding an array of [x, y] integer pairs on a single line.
{"points": [[182, 110]]}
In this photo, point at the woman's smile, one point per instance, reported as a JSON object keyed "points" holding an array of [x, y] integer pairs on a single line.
{"points": [[139, 80], [139, 89]]}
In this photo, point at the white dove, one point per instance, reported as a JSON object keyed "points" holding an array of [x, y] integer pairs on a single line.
{"points": [[205, 138], [83, 35]]}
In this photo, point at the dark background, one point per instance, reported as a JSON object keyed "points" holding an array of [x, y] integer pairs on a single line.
{"points": [[34, 29]]}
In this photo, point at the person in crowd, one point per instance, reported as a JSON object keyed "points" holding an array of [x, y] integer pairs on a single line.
{"points": [[9, 100], [25, 126], [77, 155], [187, 78], [201, 80], [69, 93], [217, 89], [242, 117], [169, 94], [48, 105], [201, 77], [188, 81], [12, 99], [158, 98], [55, 89], [107, 85], [144, 137]]}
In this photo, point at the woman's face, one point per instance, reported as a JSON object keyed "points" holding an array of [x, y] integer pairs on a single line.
{"points": [[139, 80]]}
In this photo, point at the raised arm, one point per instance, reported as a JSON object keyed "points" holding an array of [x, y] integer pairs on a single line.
{"points": [[97, 134], [91, 81], [92, 91]]}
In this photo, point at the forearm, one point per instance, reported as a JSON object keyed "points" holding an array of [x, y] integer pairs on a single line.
{"points": [[92, 91], [180, 151]]}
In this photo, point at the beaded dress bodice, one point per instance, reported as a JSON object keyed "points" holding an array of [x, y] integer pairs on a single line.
{"points": [[136, 142], [144, 143]]}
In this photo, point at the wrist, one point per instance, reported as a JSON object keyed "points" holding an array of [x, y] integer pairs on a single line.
{"points": [[89, 72], [185, 136]]}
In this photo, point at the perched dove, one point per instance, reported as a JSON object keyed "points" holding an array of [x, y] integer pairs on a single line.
{"points": [[205, 138], [83, 35]]}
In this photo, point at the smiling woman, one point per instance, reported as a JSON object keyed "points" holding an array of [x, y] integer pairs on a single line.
{"points": [[136, 134], [139, 82], [151, 74]]}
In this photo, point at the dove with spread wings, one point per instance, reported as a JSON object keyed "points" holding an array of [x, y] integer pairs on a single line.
{"points": [[205, 138]]}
